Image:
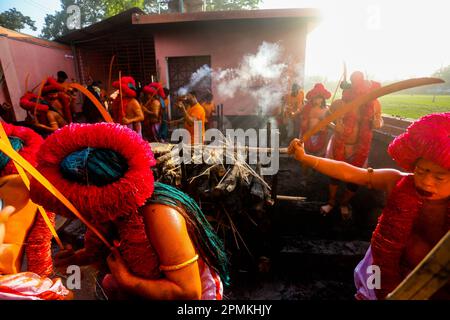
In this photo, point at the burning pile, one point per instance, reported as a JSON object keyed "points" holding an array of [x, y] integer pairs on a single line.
{"points": [[231, 193]]}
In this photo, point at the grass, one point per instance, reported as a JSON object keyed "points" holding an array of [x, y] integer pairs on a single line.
{"points": [[414, 106]]}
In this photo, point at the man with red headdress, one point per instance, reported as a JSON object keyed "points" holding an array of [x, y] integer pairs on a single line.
{"points": [[25, 231], [313, 112], [155, 123], [165, 247], [126, 109], [53, 110], [352, 137], [417, 212]]}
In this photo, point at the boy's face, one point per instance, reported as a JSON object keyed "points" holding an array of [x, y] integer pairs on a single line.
{"points": [[431, 180], [317, 101]]}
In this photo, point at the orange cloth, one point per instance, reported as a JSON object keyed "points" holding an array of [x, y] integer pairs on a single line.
{"points": [[199, 114], [209, 109]]}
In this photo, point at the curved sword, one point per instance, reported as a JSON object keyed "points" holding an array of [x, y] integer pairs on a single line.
{"points": [[372, 95]]}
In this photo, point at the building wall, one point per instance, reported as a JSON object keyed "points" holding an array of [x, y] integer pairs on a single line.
{"points": [[19, 58], [227, 43]]}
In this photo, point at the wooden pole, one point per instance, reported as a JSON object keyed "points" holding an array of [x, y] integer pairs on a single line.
{"points": [[432, 273]]}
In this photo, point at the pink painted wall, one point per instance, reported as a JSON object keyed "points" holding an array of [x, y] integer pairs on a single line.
{"points": [[19, 58], [227, 43]]}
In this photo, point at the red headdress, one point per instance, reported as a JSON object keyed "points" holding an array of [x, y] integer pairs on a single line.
{"points": [[159, 88], [102, 203], [318, 90], [29, 101], [38, 241], [128, 86], [29, 144], [428, 138], [150, 90], [52, 85]]}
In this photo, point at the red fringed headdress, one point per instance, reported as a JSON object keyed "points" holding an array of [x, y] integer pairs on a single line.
{"points": [[31, 144], [125, 84], [150, 90], [100, 203], [52, 85], [29, 101], [318, 90], [428, 138], [159, 89]]}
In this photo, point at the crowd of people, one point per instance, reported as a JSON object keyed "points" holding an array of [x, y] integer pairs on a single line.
{"points": [[155, 240]]}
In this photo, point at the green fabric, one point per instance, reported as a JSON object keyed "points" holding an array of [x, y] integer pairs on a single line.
{"points": [[17, 144], [94, 166], [210, 243]]}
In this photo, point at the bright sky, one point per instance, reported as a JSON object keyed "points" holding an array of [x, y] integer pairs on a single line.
{"points": [[387, 39]]}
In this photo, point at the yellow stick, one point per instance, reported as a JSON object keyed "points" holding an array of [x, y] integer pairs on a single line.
{"points": [[26, 181], [39, 96], [10, 152], [91, 97]]}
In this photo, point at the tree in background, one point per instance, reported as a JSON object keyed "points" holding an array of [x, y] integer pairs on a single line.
{"points": [[444, 74], [93, 11], [15, 20]]}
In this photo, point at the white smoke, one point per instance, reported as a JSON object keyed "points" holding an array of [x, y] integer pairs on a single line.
{"points": [[200, 79], [260, 75]]}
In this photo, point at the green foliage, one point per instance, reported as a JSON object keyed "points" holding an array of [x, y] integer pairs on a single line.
{"points": [[217, 5], [93, 11], [15, 20]]}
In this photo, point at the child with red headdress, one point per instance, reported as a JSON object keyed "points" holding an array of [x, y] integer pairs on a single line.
{"points": [[417, 212], [315, 110]]}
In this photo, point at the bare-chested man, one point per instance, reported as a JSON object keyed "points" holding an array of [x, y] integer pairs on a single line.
{"points": [[53, 119], [153, 114], [126, 109], [352, 138]]}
